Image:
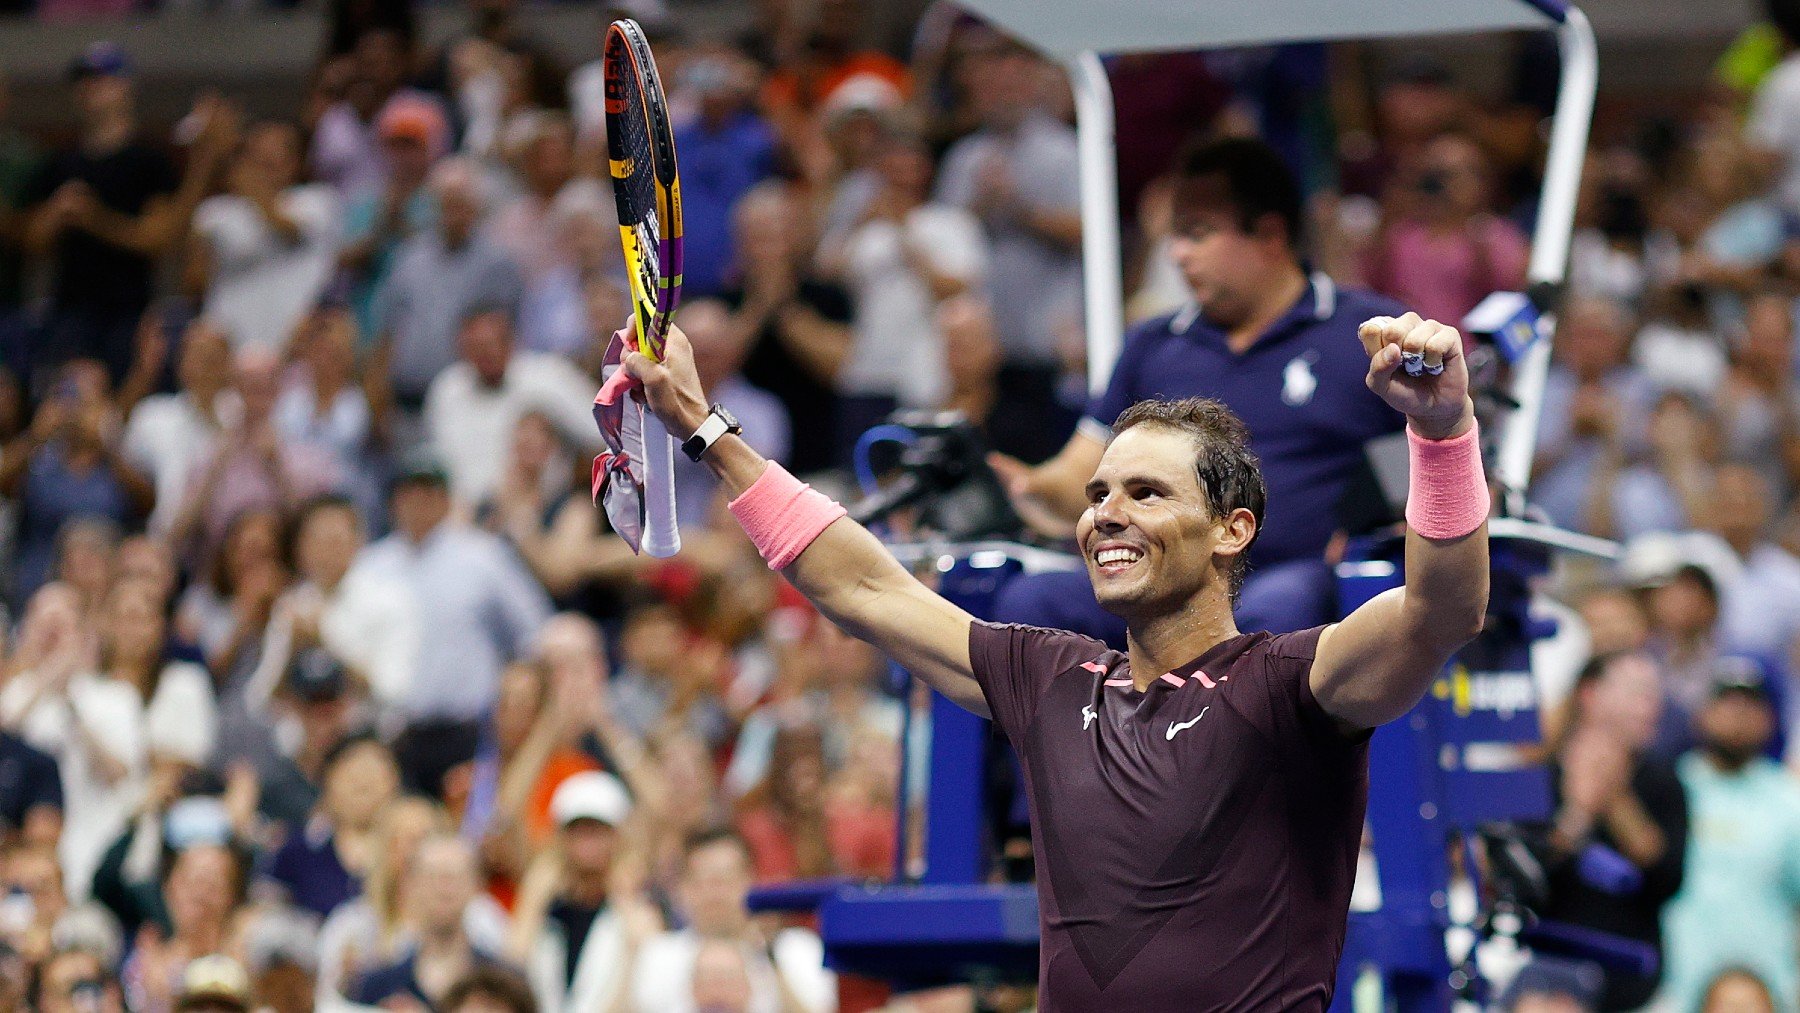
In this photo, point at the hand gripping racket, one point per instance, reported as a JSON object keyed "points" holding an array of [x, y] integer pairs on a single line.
{"points": [[638, 475]]}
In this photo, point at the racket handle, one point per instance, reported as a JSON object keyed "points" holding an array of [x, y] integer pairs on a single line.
{"points": [[662, 538]]}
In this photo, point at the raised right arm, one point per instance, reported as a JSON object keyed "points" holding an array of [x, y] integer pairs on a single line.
{"points": [[845, 572]]}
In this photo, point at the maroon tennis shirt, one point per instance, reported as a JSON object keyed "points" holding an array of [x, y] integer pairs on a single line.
{"points": [[1195, 842]]}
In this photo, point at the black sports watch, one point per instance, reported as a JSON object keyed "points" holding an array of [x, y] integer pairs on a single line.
{"points": [[719, 421]]}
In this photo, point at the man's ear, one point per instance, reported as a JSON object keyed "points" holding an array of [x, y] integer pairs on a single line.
{"points": [[1236, 532], [1271, 226]]}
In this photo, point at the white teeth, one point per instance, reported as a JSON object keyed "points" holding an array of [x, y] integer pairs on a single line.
{"points": [[1107, 557]]}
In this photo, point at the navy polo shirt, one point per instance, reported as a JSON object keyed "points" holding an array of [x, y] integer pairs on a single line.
{"points": [[28, 779], [1300, 388]]}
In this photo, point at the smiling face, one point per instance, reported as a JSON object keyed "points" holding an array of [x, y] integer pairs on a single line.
{"points": [[1151, 540]]}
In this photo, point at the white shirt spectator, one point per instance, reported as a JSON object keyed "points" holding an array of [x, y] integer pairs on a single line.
{"points": [[93, 711], [600, 972], [263, 284], [664, 978], [476, 609], [896, 350], [471, 424], [167, 436]]}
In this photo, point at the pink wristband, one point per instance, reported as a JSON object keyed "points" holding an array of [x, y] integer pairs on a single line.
{"points": [[782, 515], [1447, 492]]}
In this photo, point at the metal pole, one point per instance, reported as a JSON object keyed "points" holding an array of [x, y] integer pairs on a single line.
{"points": [[1550, 247], [1105, 305]]}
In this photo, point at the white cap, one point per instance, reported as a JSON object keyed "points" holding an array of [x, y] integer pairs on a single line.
{"points": [[590, 795], [1655, 558], [865, 93]]}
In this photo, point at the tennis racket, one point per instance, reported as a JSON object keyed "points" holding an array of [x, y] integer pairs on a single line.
{"points": [[647, 190]]}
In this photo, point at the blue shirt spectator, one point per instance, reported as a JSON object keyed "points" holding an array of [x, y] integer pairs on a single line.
{"points": [[30, 785], [476, 601], [1299, 389], [724, 152]]}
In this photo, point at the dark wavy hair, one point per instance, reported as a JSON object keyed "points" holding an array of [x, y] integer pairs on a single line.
{"points": [[1230, 475]]}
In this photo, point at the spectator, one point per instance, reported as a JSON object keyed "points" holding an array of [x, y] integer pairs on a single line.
{"points": [[900, 262], [31, 797], [76, 980], [523, 759], [69, 465], [249, 466], [547, 514], [719, 349], [323, 406], [1551, 986], [317, 712], [797, 321], [440, 883], [476, 604], [225, 614], [201, 889], [1616, 847], [375, 929], [490, 990], [1017, 174], [473, 406], [321, 865], [364, 620], [167, 435], [92, 725], [1442, 250], [1760, 605], [108, 207], [670, 679], [214, 984], [725, 150], [1738, 991], [1742, 883], [525, 227], [720, 978], [39, 917], [262, 251], [346, 149], [438, 277], [578, 925], [784, 970], [1665, 488], [180, 713], [377, 220], [1594, 400]]}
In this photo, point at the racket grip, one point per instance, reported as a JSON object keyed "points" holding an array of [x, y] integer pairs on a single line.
{"points": [[662, 536]]}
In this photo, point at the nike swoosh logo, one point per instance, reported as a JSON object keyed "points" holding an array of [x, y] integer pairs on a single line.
{"points": [[1183, 726]]}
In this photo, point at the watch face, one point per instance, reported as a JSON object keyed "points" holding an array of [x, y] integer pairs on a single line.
{"points": [[731, 422]]}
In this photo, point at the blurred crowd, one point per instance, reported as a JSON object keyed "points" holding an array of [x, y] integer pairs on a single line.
{"points": [[325, 685]]}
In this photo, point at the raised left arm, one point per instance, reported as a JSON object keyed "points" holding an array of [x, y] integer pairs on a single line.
{"points": [[1375, 665]]}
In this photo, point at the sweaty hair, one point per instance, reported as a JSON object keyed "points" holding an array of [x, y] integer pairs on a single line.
{"points": [[1230, 475], [1257, 181]]}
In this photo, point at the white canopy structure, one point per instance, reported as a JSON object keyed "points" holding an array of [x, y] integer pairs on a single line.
{"points": [[1078, 32]]}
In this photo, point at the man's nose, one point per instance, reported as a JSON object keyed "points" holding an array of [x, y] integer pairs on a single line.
{"points": [[1110, 515]]}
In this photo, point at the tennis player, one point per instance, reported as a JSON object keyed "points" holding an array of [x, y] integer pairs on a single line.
{"points": [[1197, 801]]}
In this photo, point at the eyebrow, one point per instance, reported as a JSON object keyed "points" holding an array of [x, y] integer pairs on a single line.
{"points": [[1097, 483]]}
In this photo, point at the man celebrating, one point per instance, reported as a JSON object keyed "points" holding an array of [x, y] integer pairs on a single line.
{"points": [[1196, 801], [1271, 342]]}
